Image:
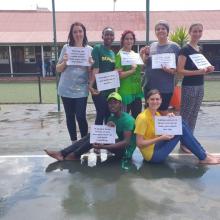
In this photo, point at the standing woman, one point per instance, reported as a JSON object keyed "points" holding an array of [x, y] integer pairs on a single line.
{"points": [[130, 76], [104, 61], [193, 81], [162, 78], [73, 84], [156, 148]]}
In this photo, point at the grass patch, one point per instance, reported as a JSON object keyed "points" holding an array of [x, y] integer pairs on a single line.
{"points": [[20, 92], [212, 91]]}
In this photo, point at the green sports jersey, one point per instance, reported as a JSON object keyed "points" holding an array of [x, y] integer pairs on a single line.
{"points": [[125, 123], [104, 59]]}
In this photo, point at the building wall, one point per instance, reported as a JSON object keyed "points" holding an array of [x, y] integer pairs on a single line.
{"points": [[28, 59], [212, 53]]}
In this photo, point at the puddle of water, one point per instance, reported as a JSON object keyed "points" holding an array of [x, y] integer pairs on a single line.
{"points": [[166, 191], [32, 109], [5, 120]]}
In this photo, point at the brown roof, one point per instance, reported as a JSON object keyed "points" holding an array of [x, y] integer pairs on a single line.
{"points": [[36, 26]]}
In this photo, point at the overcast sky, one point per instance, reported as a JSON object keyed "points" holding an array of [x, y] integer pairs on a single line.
{"points": [[107, 5]]}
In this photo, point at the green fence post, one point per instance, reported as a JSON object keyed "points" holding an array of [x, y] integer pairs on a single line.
{"points": [[39, 87], [55, 49], [147, 21]]}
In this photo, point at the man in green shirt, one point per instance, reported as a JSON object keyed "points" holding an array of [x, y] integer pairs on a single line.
{"points": [[125, 144]]}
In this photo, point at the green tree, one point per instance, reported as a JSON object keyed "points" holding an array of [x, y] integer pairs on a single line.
{"points": [[180, 36]]}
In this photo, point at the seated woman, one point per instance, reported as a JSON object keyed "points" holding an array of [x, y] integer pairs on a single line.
{"points": [[155, 148], [125, 144]]}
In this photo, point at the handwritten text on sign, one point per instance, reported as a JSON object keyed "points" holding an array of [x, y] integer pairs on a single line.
{"points": [[165, 59], [107, 80], [130, 58], [102, 134], [200, 61], [78, 56], [168, 125]]}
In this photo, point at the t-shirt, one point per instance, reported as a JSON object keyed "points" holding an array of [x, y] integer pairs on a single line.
{"points": [[145, 126], [125, 123], [74, 80], [189, 65], [104, 59], [130, 85], [158, 78]]}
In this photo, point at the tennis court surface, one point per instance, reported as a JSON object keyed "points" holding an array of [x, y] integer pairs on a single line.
{"points": [[34, 186]]}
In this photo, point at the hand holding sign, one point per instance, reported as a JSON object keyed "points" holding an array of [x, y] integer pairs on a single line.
{"points": [[65, 58], [107, 80], [102, 134], [169, 70], [145, 50], [167, 60], [200, 61], [166, 137], [79, 56], [166, 125], [130, 58], [206, 70]]}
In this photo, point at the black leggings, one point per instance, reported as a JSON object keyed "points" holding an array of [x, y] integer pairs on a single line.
{"points": [[75, 108], [83, 146], [101, 106], [135, 107], [78, 148]]}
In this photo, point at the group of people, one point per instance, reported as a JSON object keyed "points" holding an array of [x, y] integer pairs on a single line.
{"points": [[113, 108]]}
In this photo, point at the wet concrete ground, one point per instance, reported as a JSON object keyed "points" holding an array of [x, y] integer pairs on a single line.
{"points": [[37, 187]]}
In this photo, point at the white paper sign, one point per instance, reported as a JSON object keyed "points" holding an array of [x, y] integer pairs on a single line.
{"points": [[199, 60], [168, 125], [107, 80], [130, 58], [164, 59], [78, 56], [102, 134]]}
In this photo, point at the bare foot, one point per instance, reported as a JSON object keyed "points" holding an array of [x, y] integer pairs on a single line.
{"points": [[210, 159], [185, 149], [213, 155], [71, 157], [55, 154]]}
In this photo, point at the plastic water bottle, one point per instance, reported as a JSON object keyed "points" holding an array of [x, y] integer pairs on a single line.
{"points": [[103, 155], [126, 161], [92, 158]]}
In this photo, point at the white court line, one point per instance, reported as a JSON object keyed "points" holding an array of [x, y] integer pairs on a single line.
{"points": [[185, 154], [22, 156], [34, 156]]}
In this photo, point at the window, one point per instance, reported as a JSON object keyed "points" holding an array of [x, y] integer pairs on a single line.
{"points": [[47, 52], [29, 55], [4, 55]]}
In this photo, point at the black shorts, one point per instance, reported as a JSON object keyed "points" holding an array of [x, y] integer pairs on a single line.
{"points": [[166, 97]]}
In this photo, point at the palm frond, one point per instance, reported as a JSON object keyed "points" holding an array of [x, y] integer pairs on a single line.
{"points": [[180, 36]]}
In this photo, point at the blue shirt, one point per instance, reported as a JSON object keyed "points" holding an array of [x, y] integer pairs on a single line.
{"points": [[74, 79]]}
